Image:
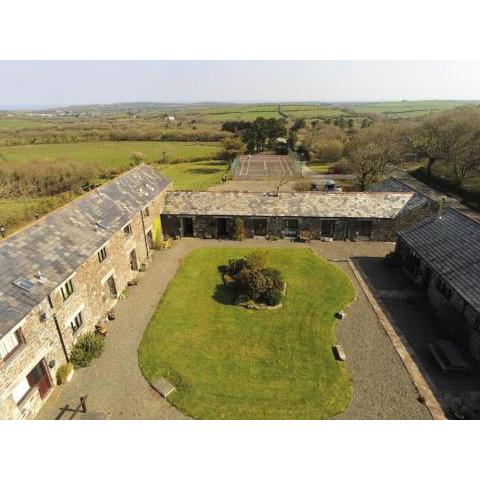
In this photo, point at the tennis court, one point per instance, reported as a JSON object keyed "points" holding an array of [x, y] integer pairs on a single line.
{"points": [[264, 167]]}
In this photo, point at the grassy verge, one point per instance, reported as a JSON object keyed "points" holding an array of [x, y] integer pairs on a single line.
{"points": [[230, 363]]}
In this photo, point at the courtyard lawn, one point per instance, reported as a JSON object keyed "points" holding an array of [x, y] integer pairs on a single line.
{"points": [[231, 363]]}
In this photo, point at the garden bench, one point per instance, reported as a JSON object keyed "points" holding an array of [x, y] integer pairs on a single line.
{"points": [[305, 236]]}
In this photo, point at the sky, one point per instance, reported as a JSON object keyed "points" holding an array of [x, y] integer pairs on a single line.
{"points": [[61, 83]]}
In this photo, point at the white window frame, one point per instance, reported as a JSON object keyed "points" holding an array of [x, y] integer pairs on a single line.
{"points": [[9, 343]]}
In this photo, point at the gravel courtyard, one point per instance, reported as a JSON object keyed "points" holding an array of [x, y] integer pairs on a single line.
{"points": [[382, 388]]}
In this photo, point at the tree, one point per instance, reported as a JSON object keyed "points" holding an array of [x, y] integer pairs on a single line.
{"points": [[451, 138], [374, 151], [137, 157], [232, 148], [299, 123]]}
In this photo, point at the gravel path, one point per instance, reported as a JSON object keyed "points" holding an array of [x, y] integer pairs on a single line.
{"points": [[114, 384]]}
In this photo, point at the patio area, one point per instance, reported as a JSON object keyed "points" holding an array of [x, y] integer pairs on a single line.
{"points": [[414, 319]]}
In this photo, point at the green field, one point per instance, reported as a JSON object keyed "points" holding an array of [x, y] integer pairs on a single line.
{"points": [[231, 363], [194, 175], [9, 123], [407, 108], [111, 155], [251, 112]]}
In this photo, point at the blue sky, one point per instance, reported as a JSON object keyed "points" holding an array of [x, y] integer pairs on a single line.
{"points": [[79, 82]]}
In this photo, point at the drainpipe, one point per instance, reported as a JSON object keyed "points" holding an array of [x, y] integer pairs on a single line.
{"points": [[144, 234], [62, 342], [440, 207]]}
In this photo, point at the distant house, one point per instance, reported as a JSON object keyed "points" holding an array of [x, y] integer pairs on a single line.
{"points": [[441, 254]]}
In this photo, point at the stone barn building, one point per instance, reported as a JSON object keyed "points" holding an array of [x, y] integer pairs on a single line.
{"points": [[335, 216], [441, 254], [60, 276]]}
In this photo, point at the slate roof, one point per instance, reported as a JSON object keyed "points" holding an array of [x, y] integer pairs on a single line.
{"points": [[299, 204], [450, 244], [392, 185], [57, 244]]}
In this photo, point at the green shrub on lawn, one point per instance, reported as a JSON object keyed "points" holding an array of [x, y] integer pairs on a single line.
{"points": [[63, 372], [272, 297], [251, 277], [88, 347], [276, 277]]}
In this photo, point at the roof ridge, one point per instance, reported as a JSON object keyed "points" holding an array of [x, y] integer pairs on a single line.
{"points": [[71, 202]]}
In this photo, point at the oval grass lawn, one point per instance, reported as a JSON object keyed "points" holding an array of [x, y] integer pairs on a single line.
{"points": [[231, 363]]}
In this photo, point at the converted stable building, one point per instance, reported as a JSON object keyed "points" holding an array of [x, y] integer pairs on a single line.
{"points": [[60, 276], [441, 254], [336, 216]]}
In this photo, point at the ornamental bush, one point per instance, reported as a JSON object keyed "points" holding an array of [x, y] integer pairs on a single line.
{"points": [[276, 278], [257, 260], [88, 347], [258, 284], [238, 229], [63, 372], [251, 279], [272, 297]]}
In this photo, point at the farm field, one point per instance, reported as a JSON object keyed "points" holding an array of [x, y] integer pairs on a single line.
{"points": [[194, 175], [407, 108], [7, 123], [231, 363], [251, 112], [111, 155]]}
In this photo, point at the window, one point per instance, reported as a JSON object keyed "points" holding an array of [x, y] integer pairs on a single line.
{"points": [[443, 288], [21, 390], [11, 343], [127, 230], [102, 254], [146, 212], [67, 289], [112, 288], [77, 322], [328, 228]]}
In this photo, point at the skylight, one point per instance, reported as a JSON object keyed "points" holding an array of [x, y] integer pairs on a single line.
{"points": [[24, 284]]}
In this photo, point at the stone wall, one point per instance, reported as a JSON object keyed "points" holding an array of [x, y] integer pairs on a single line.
{"points": [[205, 226], [91, 296]]}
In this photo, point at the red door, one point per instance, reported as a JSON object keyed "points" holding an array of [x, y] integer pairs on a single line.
{"points": [[39, 377]]}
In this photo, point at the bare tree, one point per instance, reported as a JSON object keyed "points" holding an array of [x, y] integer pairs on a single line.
{"points": [[375, 151], [452, 138]]}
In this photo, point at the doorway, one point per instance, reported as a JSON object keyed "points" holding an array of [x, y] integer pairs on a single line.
{"points": [[39, 377], [364, 230], [186, 226], [222, 227], [150, 239], [133, 260], [291, 227], [259, 227]]}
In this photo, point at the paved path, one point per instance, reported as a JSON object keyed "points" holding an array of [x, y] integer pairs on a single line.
{"points": [[115, 385]]}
